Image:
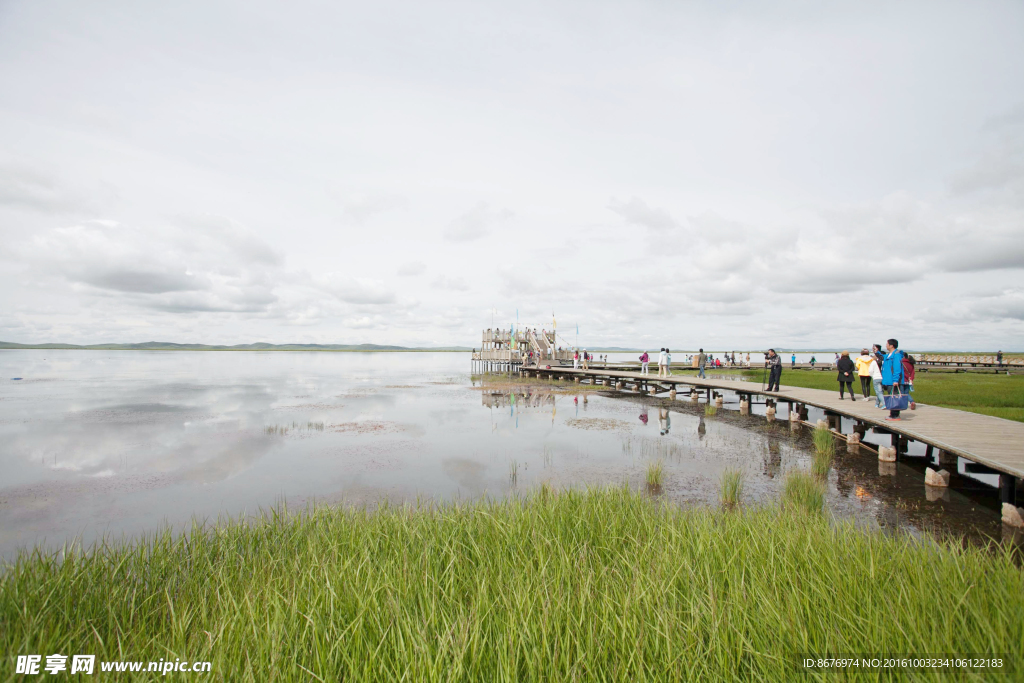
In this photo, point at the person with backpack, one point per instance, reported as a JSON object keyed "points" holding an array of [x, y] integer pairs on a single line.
{"points": [[644, 360], [845, 368], [892, 375], [908, 378]]}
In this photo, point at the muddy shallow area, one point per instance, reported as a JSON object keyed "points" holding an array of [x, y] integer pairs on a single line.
{"points": [[121, 443]]}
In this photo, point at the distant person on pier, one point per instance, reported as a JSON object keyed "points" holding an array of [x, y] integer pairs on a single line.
{"points": [[668, 362], [813, 360], [586, 358], [863, 364], [644, 360], [702, 361], [845, 368], [999, 358], [892, 374], [774, 370], [748, 359], [792, 361], [662, 361], [876, 351]]}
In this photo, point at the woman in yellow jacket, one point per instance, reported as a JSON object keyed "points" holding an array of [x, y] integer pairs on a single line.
{"points": [[864, 371]]}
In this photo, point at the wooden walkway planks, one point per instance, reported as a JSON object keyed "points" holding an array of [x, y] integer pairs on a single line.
{"points": [[990, 441]]}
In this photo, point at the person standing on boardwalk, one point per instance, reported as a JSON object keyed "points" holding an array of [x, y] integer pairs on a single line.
{"points": [[864, 371], [999, 358], [644, 360], [774, 370], [792, 361], [702, 360], [576, 360], [668, 362], [813, 361], [845, 368], [908, 378], [661, 363], [876, 350], [875, 373], [586, 360], [892, 374]]}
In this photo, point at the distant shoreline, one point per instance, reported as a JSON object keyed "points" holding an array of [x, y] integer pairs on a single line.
{"points": [[160, 346]]}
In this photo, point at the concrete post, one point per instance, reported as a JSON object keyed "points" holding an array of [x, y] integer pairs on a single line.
{"points": [[769, 413], [886, 454], [745, 406], [719, 401], [852, 442], [672, 394]]}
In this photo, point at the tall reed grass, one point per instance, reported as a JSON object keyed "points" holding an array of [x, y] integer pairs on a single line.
{"points": [[802, 491], [731, 487], [599, 585], [824, 451], [655, 473]]}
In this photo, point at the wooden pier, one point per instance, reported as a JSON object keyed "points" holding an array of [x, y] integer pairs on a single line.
{"points": [[991, 445]]}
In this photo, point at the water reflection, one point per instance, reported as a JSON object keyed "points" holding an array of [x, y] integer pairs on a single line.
{"points": [[120, 442]]}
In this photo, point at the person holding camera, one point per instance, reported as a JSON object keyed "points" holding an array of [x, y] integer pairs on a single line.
{"points": [[774, 364]]}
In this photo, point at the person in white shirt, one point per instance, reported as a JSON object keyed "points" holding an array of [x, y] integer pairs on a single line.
{"points": [[875, 373], [663, 363]]}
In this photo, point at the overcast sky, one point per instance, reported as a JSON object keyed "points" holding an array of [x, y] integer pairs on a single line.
{"points": [[723, 174]]}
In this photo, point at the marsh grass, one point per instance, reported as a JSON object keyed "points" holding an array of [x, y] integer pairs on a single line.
{"points": [[597, 585], [710, 410], [662, 449], [824, 451], [804, 492], [282, 430], [513, 472], [824, 440], [655, 474], [731, 487]]}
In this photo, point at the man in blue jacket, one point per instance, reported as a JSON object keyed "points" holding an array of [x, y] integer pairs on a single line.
{"points": [[892, 372]]}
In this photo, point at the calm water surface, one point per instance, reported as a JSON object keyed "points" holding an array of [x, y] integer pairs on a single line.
{"points": [[120, 443]]}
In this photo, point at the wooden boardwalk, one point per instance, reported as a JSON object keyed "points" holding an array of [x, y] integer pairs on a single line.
{"points": [[992, 442]]}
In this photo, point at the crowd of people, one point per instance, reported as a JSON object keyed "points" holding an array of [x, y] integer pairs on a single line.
{"points": [[889, 372]]}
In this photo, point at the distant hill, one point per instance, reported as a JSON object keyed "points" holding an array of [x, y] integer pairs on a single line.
{"points": [[259, 346]]}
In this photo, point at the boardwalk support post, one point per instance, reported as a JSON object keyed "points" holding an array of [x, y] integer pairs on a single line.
{"points": [[1008, 489], [887, 454], [853, 442], [933, 478]]}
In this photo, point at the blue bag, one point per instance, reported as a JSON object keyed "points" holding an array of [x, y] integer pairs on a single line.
{"points": [[897, 401]]}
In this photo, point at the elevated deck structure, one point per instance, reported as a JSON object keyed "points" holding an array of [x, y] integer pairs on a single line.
{"points": [[502, 350], [991, 445]]}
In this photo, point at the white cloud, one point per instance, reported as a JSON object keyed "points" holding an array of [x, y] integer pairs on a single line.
{"points": [[637, 212], [475, 223]]}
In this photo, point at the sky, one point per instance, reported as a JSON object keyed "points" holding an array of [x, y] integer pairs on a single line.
{"points": [[717, 174]]}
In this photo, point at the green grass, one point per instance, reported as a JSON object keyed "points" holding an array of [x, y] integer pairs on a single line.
{"points": [[988, 394], [710, 410], [655, 473], [600, 585], [802, 491], [731, 487]]}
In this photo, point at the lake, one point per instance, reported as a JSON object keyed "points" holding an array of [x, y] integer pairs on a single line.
{"points": [[115, 444]]}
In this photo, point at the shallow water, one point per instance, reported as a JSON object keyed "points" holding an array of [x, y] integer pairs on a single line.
{"points": [[120, 443]]}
